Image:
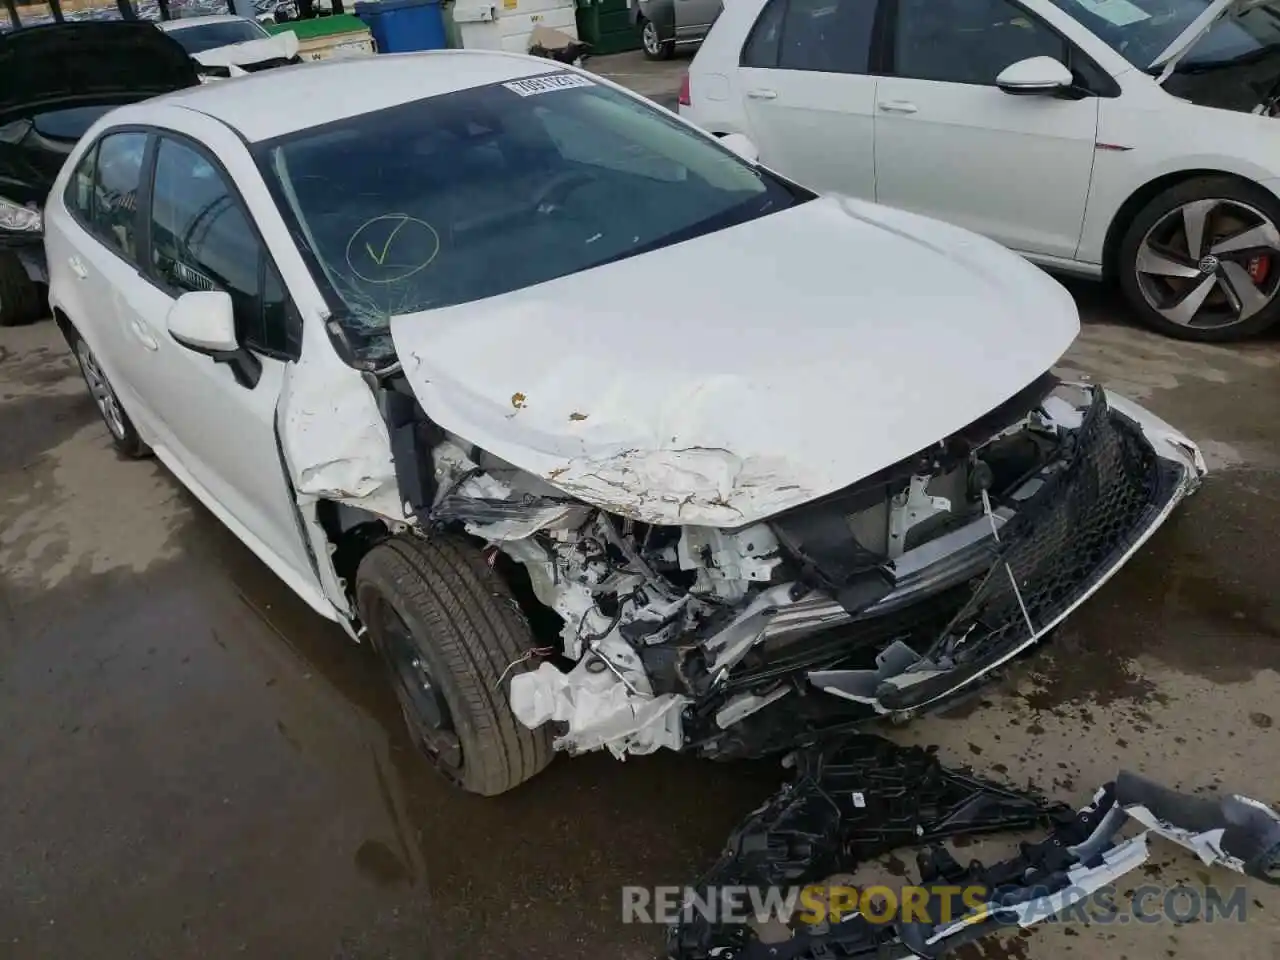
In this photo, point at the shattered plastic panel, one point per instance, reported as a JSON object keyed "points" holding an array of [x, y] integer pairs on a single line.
{"points": [[859, 798]]}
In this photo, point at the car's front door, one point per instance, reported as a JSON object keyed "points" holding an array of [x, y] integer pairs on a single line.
{"points": [[951, 144], [217, 419], [808, 93]]}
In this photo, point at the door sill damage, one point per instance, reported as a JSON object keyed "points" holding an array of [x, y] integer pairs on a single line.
{"points": [[862, 797]]}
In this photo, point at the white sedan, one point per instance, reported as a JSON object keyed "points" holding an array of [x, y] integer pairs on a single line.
{"points": [[398, 343], [1128, 139]]}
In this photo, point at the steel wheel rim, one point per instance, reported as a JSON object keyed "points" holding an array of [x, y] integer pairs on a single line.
{"points": [[100, 388], [421, 699], [650, 37], [1210, 264]]}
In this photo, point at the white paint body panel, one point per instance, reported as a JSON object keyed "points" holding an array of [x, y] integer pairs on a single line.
{"points": [[973, 155], [744, 399]]}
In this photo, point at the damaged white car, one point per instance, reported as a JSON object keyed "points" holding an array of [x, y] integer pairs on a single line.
{"points": [[404, 345]]}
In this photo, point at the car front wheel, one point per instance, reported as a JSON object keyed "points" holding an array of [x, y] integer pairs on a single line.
{"points": [[1202, 260], [655, 48], [452, 636]]}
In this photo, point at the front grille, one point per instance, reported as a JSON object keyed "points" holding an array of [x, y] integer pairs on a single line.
{"points": [[1109, 491], [1078, 526]]}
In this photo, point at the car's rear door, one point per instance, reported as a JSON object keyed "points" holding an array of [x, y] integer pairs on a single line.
{"points": [[217, 420], [694, 17], [95, 259], [951, 144], [809, 95]]}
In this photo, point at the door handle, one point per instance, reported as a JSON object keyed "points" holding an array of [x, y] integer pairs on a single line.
{"points": [[140, 331], [897, 106], [763, 94], [78, 268]]}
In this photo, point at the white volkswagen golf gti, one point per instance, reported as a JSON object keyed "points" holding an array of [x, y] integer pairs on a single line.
{"points": [[1130, 139], [386, 319]]}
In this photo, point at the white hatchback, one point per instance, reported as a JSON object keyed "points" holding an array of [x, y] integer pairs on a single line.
{"points": [[387, 320], [1132, 139]]}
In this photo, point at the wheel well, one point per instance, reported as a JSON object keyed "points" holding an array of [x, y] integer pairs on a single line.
{"points": [[65, 325], [1139, 199]]}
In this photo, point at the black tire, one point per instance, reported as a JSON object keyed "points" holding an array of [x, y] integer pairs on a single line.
{"points": [[464, 630], [20, 300], [124, 436], [653, 47], [1200, 188]]}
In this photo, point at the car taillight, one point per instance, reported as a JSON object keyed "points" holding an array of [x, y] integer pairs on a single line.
{"points": [[684, 92]]}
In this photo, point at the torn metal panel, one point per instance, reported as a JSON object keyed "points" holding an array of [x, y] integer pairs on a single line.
{"points": [[335, 440]]}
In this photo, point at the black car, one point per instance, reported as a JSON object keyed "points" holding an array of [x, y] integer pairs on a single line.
{"points": [[55, 82]]}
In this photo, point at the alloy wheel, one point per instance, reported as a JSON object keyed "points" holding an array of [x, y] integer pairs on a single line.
{"points": [[103, 395], [1210, 263], [649, 36], [421, 699]]}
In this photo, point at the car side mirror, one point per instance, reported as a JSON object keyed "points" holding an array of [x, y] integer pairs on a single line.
{"points": [[205, 322], [742, 146], [1035, 76]]}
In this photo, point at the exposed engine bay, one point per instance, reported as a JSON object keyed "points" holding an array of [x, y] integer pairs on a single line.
{"points": [[890, 596]]}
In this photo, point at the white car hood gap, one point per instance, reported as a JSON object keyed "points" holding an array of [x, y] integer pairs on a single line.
{"points": [[724, 379]]}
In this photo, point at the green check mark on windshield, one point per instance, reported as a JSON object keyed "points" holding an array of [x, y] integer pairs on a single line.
{"points": [[381, 258]]}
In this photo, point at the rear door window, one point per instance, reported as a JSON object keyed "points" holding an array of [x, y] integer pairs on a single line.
{"points": [[826, 36], [117, 177]]}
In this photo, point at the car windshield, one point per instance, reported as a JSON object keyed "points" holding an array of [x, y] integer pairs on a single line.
{"points": [[224, 33], [1140, 30], [483, 191]]}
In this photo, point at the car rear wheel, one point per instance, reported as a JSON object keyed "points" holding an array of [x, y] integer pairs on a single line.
{"points": [[123, 434], [655, 48], [20, 300], [452, 636], [1202, 260]]}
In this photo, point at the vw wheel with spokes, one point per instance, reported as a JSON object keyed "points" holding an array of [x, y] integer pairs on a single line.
{"points": [[1202, 260]]}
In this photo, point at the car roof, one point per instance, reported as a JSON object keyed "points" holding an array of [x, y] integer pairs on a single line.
{"points": [[278, 102], [183, 22]]}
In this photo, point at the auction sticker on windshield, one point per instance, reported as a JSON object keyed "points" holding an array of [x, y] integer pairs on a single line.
{"points": [[545, 84]]}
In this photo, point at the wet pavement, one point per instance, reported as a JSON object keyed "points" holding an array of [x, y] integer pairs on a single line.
{"points": [[195, 765]]}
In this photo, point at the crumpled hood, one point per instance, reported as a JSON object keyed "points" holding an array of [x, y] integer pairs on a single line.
{"points": [[724, 379], [283, 46]]}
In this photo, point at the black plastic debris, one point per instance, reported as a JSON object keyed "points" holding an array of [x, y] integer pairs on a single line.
{"points": [[865, 796]]}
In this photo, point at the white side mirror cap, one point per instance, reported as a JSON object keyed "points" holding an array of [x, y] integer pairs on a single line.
{"points": [[742, 146], [204, 322], [1035, 75]]}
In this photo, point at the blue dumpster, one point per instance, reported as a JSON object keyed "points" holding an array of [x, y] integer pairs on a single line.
{"points": [[402, 25]]}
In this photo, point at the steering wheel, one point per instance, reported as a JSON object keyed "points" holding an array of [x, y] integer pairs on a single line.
{"points": [[553, 193]]}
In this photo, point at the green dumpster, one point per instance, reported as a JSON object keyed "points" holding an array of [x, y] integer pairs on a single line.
{"points": [[607, 26]]}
